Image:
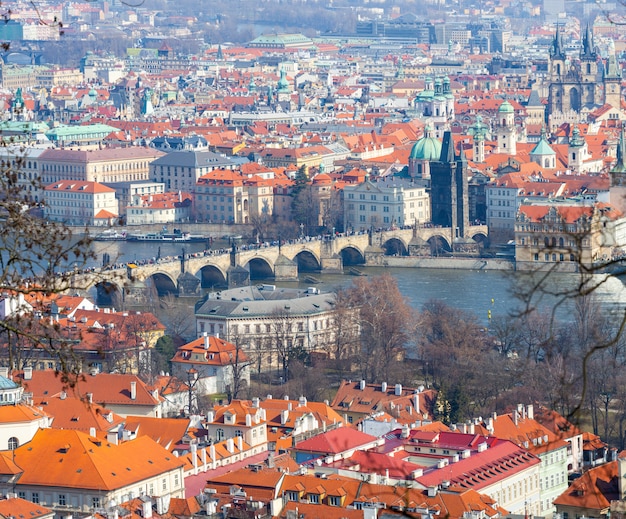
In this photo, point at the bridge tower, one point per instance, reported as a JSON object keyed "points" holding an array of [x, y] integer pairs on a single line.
{"points": [[449, 189]]}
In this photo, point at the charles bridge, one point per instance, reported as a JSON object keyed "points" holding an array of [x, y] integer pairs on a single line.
{"points": [[281, 261]]}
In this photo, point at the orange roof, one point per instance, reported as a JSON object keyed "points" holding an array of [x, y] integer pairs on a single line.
{"points": [[167, 432], [210, 350], [70, 412], [524, 432], [19, 508], [82, 461], [568, 213], [594, 490], [78, 186], [106, 388]]}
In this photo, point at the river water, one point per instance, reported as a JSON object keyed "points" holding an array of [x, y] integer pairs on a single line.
{"points": [[476, 291]]}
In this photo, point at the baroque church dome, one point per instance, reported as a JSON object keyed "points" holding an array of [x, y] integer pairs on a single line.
{"points": [[426, 148]]}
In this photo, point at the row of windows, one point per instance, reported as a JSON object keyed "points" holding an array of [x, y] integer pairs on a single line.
{"points": [[553, 481], [501, 214], [512, 491], [500, 202], [287, 327], [548, 242], [95, 501], [314, 498], [54, 195], [553, 257]]}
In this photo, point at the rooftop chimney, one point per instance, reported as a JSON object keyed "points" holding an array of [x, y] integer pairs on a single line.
{"points": [[398, 390], [530, 412], [362, 385], [383, 387], [133, 390], [206, 342], [28, 372]]}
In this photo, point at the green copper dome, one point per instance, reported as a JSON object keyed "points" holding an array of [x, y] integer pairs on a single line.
{"points": [[506, 108], [426, 148]]}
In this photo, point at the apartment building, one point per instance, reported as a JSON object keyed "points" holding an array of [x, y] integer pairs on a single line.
{"points": [[570, 235], [181, 170], [80, 203], [106, 165], [385, 203]]}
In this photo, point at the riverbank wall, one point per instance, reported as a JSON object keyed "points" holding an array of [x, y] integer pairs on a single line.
{"points": [[447, 263]]}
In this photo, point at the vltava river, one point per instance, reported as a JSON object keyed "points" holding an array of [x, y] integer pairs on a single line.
{"points": [[469, 290]]}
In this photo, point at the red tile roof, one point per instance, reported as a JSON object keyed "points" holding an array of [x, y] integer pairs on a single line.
{"points": [[336, 441]]}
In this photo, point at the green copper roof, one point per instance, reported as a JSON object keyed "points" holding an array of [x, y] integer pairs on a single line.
{"points": [[506, 108], [542, 148], [426, 148]]}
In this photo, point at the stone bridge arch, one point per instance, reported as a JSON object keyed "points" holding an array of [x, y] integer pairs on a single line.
{"points": [[212, 276], [109, 294], [480, 237], [352, 255], [260, 268], [163, 283], [307, 261], [395, 247], [439, 244]]}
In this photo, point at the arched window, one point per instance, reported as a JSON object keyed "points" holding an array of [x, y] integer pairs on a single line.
{"points": [[14, 443], [219, 435], [561, 243], [547, 242], [554, 242]]}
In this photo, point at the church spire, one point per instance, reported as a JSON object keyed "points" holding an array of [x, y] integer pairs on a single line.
{"points": [[588, 47], [556, 51]]}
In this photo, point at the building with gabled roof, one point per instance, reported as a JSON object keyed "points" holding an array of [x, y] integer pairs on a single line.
{"points": [[521, 428], [159, 208], [342, 497], [592, 494], [123, 394], [357, 400], [15, 507], [567, 236], [507, 473], [78, 202], [291, 421], [562, 428], [215, 363], [339, 443], [239, 418], [70, 412], [71, 470]]}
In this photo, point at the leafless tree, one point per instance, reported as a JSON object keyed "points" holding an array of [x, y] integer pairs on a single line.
{"points": [[386, 322], [240, 363]]}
